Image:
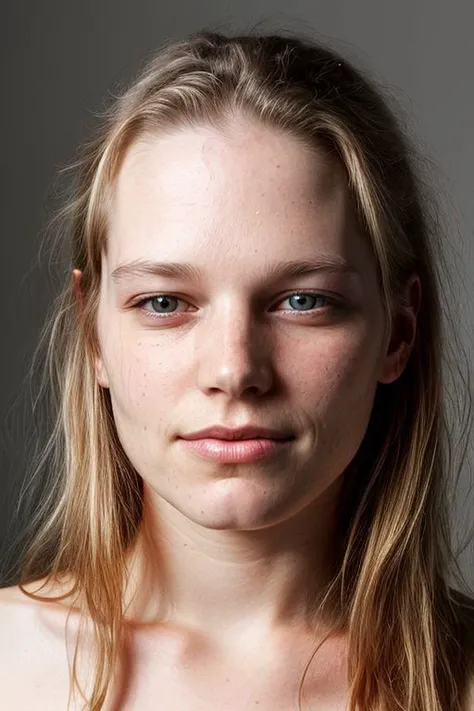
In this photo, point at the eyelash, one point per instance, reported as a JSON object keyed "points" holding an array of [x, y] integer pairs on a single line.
{"points": [[139, 304]]}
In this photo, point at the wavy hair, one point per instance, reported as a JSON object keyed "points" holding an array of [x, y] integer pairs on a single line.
{"points": [[410, 639]]}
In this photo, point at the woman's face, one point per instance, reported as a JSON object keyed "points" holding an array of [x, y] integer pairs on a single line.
{"points": [[233, 343]]}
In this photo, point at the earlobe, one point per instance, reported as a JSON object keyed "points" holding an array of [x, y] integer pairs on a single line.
{"points": [[395, 364], [100, 373]]}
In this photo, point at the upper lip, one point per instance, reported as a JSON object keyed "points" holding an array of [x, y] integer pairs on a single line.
{"points": [[247, 432]]}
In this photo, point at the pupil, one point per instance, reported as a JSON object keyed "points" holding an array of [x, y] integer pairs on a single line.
{"points": [[301, 299], [161, 301]]}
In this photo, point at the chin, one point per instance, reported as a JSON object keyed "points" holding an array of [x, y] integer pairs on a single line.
{"points": [[238, 504]]}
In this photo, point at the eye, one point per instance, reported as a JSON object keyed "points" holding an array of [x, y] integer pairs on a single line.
{"points": [[303, 300], [159, 301], [164, 305]]}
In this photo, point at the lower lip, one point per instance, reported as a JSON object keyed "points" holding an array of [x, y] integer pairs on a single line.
{"points": [[248, 450]]}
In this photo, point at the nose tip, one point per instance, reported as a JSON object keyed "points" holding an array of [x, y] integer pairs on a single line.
{"points": [[239, 362]]}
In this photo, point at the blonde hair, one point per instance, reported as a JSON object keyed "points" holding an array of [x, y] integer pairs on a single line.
{"points": [[409, 632]]}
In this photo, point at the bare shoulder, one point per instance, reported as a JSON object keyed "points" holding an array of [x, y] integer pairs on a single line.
{"points": [[33, 603], [19, 641], [53, 592], [29, 625], [19, 614], [32, 651], [14, 606], [13, 600]]}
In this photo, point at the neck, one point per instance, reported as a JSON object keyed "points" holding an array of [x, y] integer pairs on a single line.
{"points": [[227, 580]]}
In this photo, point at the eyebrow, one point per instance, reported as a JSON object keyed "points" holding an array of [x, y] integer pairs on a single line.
{"points": [[189, 272]]}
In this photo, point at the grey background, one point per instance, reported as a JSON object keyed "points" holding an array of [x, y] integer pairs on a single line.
{"points": [[61, 58]]}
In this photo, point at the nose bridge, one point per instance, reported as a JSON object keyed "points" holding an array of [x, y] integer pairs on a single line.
{"points": [[234, 351]]}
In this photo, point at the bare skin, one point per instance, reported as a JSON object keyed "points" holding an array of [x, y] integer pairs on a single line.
{"points": [[229, 556], [169, 668]]}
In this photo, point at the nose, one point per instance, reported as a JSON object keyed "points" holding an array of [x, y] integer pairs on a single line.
{"points": [[234, 356]]}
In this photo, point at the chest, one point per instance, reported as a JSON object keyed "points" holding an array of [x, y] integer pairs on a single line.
{"points": [[159, 681], [162, 688], [168, 673]]}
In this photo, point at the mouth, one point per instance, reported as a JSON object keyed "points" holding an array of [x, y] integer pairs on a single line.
{"points": [[275, 439], [250, 438], [237, 451]]}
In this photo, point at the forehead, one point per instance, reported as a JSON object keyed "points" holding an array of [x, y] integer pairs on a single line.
{"points": [[254, 160], [247, 192]]}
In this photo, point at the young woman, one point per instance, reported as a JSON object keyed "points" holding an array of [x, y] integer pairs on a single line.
{"points": [[247, 502]]}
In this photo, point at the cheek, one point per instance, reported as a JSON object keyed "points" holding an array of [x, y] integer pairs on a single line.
{"points": [[337, 393], [141, 399], [142, 377], [339, 368]]}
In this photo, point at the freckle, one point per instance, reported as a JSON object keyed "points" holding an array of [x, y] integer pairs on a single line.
{"points": [[202, 512]]}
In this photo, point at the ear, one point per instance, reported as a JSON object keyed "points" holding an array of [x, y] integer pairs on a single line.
{"points": [[403, 333], [100, 371], [76, 283]]}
